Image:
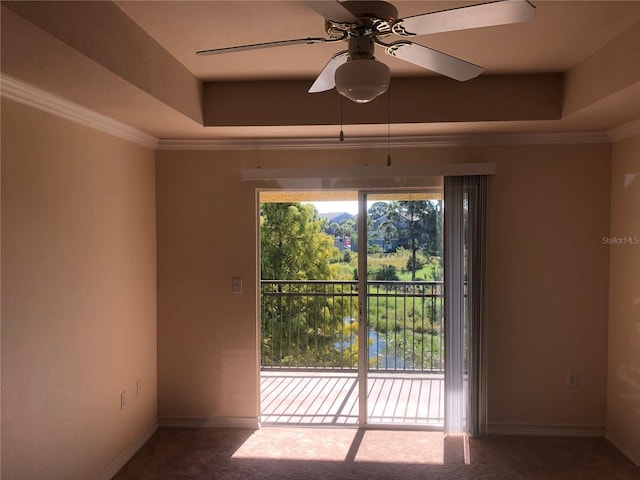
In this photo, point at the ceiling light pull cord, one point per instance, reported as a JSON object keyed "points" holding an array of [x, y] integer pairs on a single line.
{"points": [[389, 127], [341, 131]]}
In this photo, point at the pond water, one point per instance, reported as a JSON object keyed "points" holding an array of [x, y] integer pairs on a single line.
{"points": [[377, 349]]}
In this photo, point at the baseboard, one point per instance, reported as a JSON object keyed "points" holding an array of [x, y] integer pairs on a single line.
{"points": [[251, 423], [623, 448], [127, 453], [546, 430]]}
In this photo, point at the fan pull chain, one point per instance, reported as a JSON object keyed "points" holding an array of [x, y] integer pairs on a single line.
{"points": [[341, 131], [389, 126]]}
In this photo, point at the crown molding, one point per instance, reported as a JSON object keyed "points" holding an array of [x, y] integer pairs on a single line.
{"points": [[553, 138], [21, 92], [628, 130]]}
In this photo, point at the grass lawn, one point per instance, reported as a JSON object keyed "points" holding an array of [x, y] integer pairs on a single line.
{"points": [[432, 271]]}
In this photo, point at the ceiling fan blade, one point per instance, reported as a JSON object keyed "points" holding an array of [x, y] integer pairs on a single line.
{"points": [[332, 10], [256, 46], [501, 12], [326, 80], [434, 60]]}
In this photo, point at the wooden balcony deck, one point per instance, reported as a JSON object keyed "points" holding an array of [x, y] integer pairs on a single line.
{"points": [[323, 398]]}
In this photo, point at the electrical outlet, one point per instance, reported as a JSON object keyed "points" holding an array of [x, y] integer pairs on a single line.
{"points": [[572, 379], [139, 387], [123, 399]]}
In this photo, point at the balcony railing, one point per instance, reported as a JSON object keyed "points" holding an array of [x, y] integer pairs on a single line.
{"points": [[314, 325]]}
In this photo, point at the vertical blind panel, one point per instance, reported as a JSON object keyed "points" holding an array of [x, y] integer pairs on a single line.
{"points": [[454, 304], [464, 245], [476, 193]]}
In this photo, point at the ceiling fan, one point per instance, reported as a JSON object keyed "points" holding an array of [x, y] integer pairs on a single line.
{"points": [[357, 74]]}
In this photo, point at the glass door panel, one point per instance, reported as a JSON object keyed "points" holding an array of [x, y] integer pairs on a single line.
{"points": [[402, 335]]}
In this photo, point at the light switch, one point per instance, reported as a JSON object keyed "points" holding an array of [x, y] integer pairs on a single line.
{"points": [[236, 285]]}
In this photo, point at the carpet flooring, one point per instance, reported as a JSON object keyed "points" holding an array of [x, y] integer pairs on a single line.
{"points": [[349, 453]]}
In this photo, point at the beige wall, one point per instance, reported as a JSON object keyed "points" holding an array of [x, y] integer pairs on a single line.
{"points": [[623, 393], [79, 292], [206, 334], [549, 208], [78, 295]]}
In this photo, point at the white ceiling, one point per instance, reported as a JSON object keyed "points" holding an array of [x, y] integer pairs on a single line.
{"points": [[562, 34], [46, 52]]}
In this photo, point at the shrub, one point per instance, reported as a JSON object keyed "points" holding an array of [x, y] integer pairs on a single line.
{"points": [[385, 272], [374, 249], [414, 266]]}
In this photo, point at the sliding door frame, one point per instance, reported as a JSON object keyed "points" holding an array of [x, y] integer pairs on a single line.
{"points": [[363, 312]]}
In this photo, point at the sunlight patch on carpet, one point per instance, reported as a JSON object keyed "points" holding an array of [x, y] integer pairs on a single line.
{"points": [[350, 446]]}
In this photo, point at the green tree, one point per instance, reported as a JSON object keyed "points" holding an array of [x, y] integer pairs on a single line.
{"points": [[293, 245], [301, 324], [349, 228], [387, 231], [378, 210], [411, 218], [433, 227]]}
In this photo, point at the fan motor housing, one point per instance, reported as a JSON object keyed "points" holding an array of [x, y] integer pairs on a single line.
{"points": [[374, 18], [372, 9], [361, 47]]}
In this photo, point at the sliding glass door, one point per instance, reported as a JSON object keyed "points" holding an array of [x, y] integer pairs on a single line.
{"points": [[373, 317]]}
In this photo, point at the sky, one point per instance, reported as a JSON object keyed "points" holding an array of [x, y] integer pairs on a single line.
{"points": [[337, 206]]}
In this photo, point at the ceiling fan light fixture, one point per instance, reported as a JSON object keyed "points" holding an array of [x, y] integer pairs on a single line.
{"points": [[362, 80]]}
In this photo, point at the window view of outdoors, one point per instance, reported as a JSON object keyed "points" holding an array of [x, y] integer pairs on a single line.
{"points": [[309, 284]]}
